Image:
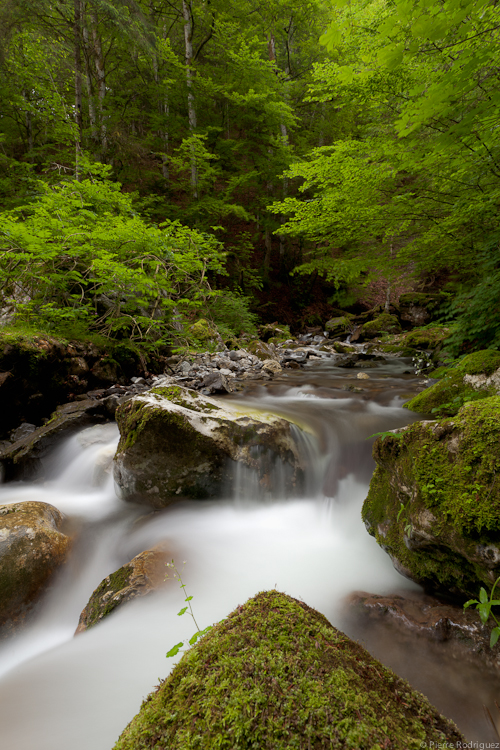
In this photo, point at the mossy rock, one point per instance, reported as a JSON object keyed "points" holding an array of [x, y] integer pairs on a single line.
{"points": [[203, 331], [275, 675], [32, 548], [474, 377], [261, 350], [176, 443], [384, 323], [418, 308], [430, 337], [141, 576], [339, 326], [444, 478], [400, 350]]}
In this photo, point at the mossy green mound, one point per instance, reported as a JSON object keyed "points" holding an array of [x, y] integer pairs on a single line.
{"points": [[430, 337], [384, 323], [470, 379], [444, 478], [275, 674]]}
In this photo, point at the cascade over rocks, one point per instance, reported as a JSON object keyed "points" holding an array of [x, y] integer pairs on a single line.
{"points": [[32, 548], [176, 443], [276, 674], [141, 576], [434, 500]]}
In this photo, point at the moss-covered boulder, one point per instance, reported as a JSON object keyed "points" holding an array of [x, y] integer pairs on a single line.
{"points": [[339, 326], [32, 548], [274, 675], [474, 377], [384, 323], [178, 444], [141, 576], [275, 333], [428, 338], [203, 331], [434, 499]]}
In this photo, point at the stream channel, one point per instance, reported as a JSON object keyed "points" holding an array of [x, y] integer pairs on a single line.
{"points": [[59, 692]]}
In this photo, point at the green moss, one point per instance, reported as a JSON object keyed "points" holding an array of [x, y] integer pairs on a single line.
{"points": [[449, 470], [97, 609], [276, 675], [384, 323], [451, 393], [429, 337]]}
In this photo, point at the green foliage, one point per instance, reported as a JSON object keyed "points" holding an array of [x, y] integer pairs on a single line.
{"points": [[483, 606], [80, 254], [231, 314]]}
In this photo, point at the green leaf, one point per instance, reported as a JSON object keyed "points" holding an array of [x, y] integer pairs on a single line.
{"points": [[470, 603], [174, 650], [182, 612], [484, 611], [495, 635], [483, 596], [188, 599]]}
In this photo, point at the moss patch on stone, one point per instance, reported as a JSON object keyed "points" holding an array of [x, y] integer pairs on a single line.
{"points": [[276, 675], [446, 474], [384, 323], [453, 391]]}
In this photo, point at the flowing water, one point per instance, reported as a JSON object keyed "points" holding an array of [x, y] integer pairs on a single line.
{"points": [[59, 692]]}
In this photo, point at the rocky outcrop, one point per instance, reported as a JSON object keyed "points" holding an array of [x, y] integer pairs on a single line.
{"points": [[418, 308], [32, 548], [25, 458], [384, 323], [141, 576], [434, 499], [474, 377], [430, 618], [276, 674], [176, 443]]}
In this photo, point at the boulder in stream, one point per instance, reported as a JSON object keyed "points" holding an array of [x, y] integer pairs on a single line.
{"points": [[176, 443], [32, 548], [434, 500], [141, 576], [276, 674]]}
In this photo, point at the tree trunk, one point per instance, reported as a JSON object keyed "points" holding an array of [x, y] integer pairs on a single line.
{"points": [[188, 40], [101, 81], [89, 86], [77, 27]]}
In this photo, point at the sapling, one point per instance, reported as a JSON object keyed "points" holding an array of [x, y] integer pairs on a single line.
{"points": [[199, 633], [483, 606]]}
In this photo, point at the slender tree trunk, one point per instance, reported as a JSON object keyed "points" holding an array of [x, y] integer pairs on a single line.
{"points": [[101, 81], [388, 288], [163, 109], [188, 41], [89, 86], [77, 27]]}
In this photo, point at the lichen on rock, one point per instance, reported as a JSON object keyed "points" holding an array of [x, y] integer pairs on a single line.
{"points": [[176, 443], [274, 675], [446, 476]]}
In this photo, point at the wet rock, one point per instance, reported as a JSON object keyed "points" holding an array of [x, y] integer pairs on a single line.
{"points": [[340, 326], [32, 548], [271, 366], [22, 431], [261, 350], [215, 382], [177, 444], [317, 689], [26, 458], [434, 500], [433, 619], [144, 574]]}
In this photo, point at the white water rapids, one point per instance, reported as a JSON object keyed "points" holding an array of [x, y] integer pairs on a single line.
{"points": [[59, 692]]}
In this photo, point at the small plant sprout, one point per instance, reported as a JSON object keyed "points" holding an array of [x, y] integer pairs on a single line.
{"points": [[408, 528], [176, 575], [484, 606]]}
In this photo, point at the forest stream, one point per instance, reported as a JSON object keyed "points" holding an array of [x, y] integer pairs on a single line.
{"points": [[58, 691]]}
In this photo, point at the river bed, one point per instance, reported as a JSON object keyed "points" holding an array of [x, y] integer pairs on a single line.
{"points": [[59, 692]]}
